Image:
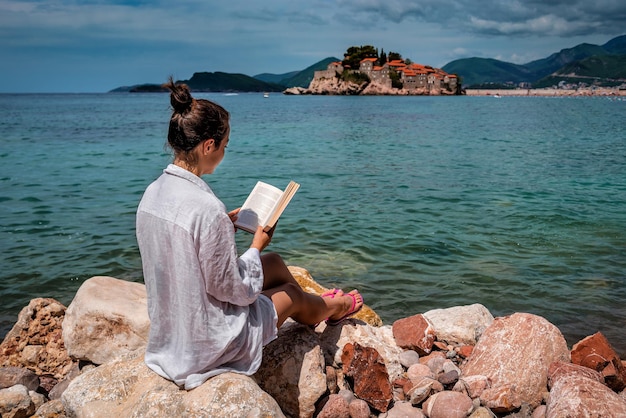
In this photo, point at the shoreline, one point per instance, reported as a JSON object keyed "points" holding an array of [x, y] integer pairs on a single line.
{"points": [[588, 92]]}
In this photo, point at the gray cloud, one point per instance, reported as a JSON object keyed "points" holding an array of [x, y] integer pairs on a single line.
{"points": [[108, 43], [501, 18]]}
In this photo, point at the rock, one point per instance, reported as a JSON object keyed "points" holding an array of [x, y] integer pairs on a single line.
{"points": [[435, 364], [414, 333], [347, 395], [335, 86], [408, 358], [596, 353], [333, 339], [57, 390], [420, 390], [293, 368], [465, 350], [371, 380], [107, 319], [515, 353], [435, 354], [502, 398], [558, 369], [359, 409], [578, 396], [539, 412], [127, 387], [15, 402], [36, 342], [295, 91], [404, 410], [306, 282], [335, 407], [417, 371], [51, 409], [37, 398], [331, 379], [11, 376], [448, 404], [482, 412], [448, 378], [473, 386], [461, 325]]}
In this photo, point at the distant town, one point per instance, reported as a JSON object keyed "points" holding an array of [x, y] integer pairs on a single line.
{"points": [[396, 74]]}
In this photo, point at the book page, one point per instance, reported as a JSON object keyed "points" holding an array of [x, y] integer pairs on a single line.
{"points": [[282, 203], [258, 207]]}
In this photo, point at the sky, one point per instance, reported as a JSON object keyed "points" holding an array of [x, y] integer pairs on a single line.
{"points": [[73, 46]]}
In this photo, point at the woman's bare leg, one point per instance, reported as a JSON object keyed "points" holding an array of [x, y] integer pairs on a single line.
{"points": [[291, 301], [275, 271]]}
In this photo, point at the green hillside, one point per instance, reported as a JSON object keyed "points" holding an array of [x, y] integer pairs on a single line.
{"points": [[543, 67], [210, 82], [226, 82], [606, 70], [275, 78], [604, 66], [297, 78], [487, 70], [600, 64], [616, 46]]}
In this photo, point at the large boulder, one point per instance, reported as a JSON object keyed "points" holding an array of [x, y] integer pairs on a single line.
{"points": [[575, 395], [460, 324], [596, 353], [414, 333], [35, 341], [107, 318], [334, 339], [515, 353], [293, 370], [369, 375], [128, 388]]}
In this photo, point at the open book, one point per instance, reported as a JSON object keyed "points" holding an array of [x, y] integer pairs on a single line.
{"points": [[264, 206]]}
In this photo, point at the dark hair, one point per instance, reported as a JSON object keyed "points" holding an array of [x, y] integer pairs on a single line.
{"points": [[193, 120]]}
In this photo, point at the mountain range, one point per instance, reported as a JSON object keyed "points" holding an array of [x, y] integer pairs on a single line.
{"points": [[600, 64], [605, 64]]}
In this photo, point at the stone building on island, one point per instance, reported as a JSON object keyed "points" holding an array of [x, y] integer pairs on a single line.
{"points": [[413, 78]]}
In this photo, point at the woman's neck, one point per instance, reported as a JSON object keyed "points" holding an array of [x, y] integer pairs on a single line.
{"points": [[189, 167]]}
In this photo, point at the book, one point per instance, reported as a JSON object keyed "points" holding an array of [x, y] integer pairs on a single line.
{"points": [[264, 205]]}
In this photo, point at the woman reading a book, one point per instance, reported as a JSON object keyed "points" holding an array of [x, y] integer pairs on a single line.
{"points": [[212, 311]]}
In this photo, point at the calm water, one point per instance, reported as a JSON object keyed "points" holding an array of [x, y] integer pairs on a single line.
{"points": [[421, 202]]}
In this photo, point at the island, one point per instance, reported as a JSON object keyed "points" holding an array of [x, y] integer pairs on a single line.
{"points": [[366, 72]]}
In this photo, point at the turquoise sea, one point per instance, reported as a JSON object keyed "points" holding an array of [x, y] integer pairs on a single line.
{"points": [[516, 203]]}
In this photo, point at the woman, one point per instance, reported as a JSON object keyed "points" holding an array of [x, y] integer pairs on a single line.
{"points": [[210, 310]]}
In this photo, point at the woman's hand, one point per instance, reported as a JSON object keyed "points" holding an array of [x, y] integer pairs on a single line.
{"points": [[233, 214], [261, 238]]}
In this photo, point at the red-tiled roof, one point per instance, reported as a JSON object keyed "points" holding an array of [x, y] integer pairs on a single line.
{"points": [[395, 62]]}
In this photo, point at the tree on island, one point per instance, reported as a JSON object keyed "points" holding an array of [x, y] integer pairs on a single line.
{"points": [[355, 54]]}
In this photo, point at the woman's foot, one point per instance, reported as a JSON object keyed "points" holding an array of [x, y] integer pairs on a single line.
{"points": [[352, 303]]}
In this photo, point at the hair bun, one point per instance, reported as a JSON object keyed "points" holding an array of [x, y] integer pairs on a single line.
{"points": [[180, 96]]}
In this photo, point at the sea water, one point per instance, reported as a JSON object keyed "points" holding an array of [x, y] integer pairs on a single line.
{"points": [[516, 203]]}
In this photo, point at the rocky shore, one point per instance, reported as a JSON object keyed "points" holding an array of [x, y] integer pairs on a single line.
{"points": [[586, 92], [337, 87], [86, 360]]}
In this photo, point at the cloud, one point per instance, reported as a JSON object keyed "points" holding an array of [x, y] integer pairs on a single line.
{"points": [[501, 18], [103, 44]]}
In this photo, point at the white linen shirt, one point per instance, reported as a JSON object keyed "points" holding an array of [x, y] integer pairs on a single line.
{"points": [[207, 315]]}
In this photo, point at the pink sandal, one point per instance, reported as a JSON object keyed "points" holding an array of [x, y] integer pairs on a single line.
{"points": [[352, 311]]}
